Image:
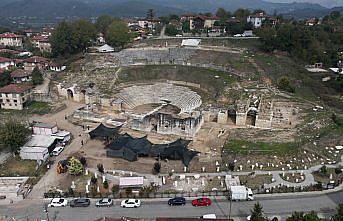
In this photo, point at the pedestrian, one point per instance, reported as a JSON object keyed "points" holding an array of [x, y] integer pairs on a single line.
{"points": [[65, 117], [87, 127], [81, 142]]}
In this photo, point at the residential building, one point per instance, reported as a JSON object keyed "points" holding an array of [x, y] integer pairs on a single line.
{"points": [[53, 66], [201, 22], [44, 128], [11, 39], [36, 61], [39, 154], [15, 96], [148, 23], [257, 19], [6, 63], [21, 76], [312, 22], [41, 42]]}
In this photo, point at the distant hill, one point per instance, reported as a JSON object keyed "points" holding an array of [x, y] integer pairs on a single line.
{"points": [[311, 13], [66, 9]]}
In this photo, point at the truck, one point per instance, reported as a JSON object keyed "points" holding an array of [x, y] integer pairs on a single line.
{"points": [[237, 193]]}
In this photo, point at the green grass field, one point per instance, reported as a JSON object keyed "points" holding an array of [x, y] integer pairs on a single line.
{"points": [[243, 146]]}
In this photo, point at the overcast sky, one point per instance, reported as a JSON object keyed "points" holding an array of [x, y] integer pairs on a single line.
{"points": [[326, 3]]}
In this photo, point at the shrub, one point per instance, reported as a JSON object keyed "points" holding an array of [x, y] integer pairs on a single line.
{"points": [[115, 189], [101, 168], [105, 184], [94, 180]]}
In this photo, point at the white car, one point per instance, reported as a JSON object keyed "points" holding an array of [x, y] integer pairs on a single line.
{"points": [[58, 202], [130, 203], [105, 202], [238, 35], [57, 150], [178, 35]]}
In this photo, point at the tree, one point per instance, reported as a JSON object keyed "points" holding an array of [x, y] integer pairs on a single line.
{"points": [[5, 79], [117, 34], [94, 180], [84, 32], [171, 30], [13, 134], [257, 213], [115, 189], [222, 14], [186, 26], [63, 40], [242, 14], [103, 22], [37, 77], [323, 170], [83, 161], [75, 167], [285, 84], [150, 14], [335, 15], [339, 215]]}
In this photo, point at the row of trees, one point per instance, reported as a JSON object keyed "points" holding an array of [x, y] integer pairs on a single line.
{"points": [[74, 37], [257, 214], [320, 43]]}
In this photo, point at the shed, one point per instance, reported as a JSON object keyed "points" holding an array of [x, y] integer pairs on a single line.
{"points": [[42, 141], [34, 153], [190, 42], [44, 128], [105, 49], [135, 182]]}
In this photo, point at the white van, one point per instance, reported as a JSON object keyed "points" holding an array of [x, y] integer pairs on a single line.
{"points": [[209, 216]]}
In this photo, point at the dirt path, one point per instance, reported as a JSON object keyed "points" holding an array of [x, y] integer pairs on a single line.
{"points": [[51, 178]]}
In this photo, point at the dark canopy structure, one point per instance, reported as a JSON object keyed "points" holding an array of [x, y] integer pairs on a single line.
{"points": [[130, 148], [104, 132]]}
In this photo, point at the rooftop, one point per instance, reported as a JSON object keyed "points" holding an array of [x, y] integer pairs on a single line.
{"points": [[19, 73], [9, 35], [37, 59], [15, 88], [3, 60]]}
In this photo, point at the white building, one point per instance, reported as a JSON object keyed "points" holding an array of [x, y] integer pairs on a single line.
{"points": [[11, 39], [34, 153], [105, 49], [21, 76], [57, 67], [257, 19], [6, 62], [44, 129], [15, 96]]}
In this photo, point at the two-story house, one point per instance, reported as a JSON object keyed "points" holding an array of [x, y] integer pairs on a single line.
{"points": [[257, 19], [11, 39], [15, 96], [201, 22], [42, 43], [36, 61]]}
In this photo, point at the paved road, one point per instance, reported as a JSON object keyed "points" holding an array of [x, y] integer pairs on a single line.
{"points": [[325, 205]]}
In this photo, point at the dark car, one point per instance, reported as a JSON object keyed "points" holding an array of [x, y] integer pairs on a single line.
{"points": [[177, 201], [81, 202]]}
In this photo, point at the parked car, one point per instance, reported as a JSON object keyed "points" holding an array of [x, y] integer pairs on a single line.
{"points": [[105, 202], [204, 201], [80, 202], [178, 35], [177, 201], [209, 216], [130, 203], [58, 202], [57, 150], [238, 35]]}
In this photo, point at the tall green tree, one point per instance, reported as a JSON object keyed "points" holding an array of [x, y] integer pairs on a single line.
{"points": [[84, 33], [242, 14], [37, 76], [103, 22], [63, 40], [222, 14], [171, 30], [117, 34], [13, 134], [257, 213]]}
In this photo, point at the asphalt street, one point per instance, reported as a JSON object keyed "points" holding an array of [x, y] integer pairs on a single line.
{"points": [[325, 205]]}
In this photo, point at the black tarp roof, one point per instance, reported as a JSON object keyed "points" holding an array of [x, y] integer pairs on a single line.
{"points": [[102, 131], [134, 147]]}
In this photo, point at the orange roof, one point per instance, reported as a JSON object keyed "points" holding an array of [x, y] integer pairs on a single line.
{"points": [[15, 88], [9, 35]]}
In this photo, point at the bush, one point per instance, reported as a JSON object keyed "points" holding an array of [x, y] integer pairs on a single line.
{"points": [[323, 170], [115, 189], [105, 184], [285, 84], [157, 168], [128, 192], [83, 161]]}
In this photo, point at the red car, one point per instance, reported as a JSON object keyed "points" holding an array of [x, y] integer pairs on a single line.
{"points": [[202, 202]]}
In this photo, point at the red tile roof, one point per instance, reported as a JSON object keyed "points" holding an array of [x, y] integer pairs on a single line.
{"points": [[19, 73], [9, 35], [3, 60], [36, 59], [15, 88], [40, 38]]}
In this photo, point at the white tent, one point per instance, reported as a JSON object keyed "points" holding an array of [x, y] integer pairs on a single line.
{"points": [[190, 42], [105, 49]]}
